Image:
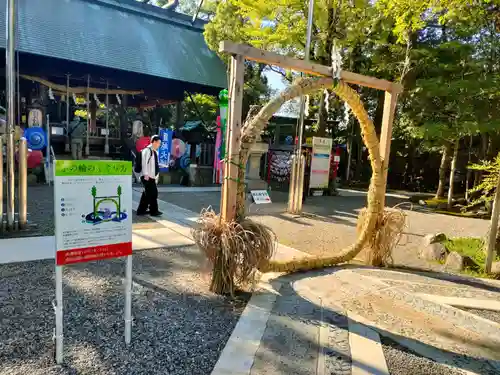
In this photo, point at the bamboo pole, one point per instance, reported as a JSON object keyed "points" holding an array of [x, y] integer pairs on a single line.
{"points": [[492, 236], [66, 144], [87, 98], [233, 139]]}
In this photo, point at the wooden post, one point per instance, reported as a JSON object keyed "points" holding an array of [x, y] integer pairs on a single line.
{"points": [[390, 101], [233, 139], [492, 235]]}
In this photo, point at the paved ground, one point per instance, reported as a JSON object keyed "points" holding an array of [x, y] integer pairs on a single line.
{"points": [[314, 315], [329, 223], [179, 327], [309, 326]]}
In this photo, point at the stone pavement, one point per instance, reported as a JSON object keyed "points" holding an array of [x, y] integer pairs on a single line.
{"points": [[338, 321], [332, 322]]}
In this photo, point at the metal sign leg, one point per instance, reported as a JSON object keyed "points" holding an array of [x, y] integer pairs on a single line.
{"points": [[59, 316], [128, 300]]}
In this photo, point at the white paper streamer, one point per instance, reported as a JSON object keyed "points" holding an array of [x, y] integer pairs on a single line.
{"points": [[51, 94], [306, 106], [74, 97], [347, 111], [97, 100], [118, 99], [336, 61], [327, 101]]}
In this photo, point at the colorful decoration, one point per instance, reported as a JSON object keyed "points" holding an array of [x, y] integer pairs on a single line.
{"points": [[223, 105], [36, 138], [280, 165], [217, 162], [35, 117], [142, 143], [165, 150], [178, 148], [35, 159], [184, 161]]}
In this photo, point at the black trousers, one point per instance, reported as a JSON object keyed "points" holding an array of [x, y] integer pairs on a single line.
{"points": [[149, 197]]}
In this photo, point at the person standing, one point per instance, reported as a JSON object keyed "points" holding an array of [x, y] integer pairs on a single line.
{"points": [[149, 176], [76, 133]]}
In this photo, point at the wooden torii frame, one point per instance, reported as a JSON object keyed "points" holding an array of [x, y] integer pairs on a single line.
{"points": [[239, 53]]}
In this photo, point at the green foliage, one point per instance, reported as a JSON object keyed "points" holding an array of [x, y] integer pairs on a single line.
{"points": [[93, 191], [467, 246], [487, 187], [201, 107], [473, 248], [119, 190]]}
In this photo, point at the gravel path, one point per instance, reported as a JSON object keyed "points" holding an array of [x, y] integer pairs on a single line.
{"points": [[487, 314], [402, 361], [329, 223], [179, 327], [290, 342]]}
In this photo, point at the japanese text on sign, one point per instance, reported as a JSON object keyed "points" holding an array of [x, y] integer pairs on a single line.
{"points": [[260, 196]]}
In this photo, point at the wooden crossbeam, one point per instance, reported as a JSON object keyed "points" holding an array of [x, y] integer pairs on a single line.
{"points": [[271, 58], [81, 90]]}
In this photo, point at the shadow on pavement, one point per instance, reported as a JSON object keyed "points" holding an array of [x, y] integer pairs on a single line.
{"points": [[464, 362]]}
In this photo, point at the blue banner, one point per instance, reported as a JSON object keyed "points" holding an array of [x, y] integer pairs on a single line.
{"points": [[165, 149]]}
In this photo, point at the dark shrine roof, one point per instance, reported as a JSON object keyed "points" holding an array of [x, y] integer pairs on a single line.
{"points": [[122, 35]]}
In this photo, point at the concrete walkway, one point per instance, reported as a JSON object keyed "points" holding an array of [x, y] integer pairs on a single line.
{"points": [[333, 322]]}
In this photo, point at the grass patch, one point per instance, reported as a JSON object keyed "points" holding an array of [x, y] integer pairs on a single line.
{"points": [[474, 249], [467, 246], [434, 202]]}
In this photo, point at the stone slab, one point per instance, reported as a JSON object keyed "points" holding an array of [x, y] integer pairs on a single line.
{"points": [[366, 351], [471, 303], [156, 238], [411, 319], [237, 358], [290, 341]]}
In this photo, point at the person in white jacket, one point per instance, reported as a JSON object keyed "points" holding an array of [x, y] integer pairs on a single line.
{"points": [[149, 176]]}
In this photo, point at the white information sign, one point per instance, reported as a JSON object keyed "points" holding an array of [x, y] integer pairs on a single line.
{"points": [[260, 196], [320, 162], [93, 221]]}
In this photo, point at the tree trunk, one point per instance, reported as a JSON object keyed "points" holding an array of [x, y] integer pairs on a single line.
{"points": [[452, 174], [478, 175], [374, 209], [322, 116], [443, 167], [469, 172], [379, 112]]}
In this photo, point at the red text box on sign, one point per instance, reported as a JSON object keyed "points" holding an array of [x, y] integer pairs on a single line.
{"points": [[89, 254]]}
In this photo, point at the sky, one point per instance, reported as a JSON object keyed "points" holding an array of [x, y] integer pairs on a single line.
{"points": [[275, 81]]}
